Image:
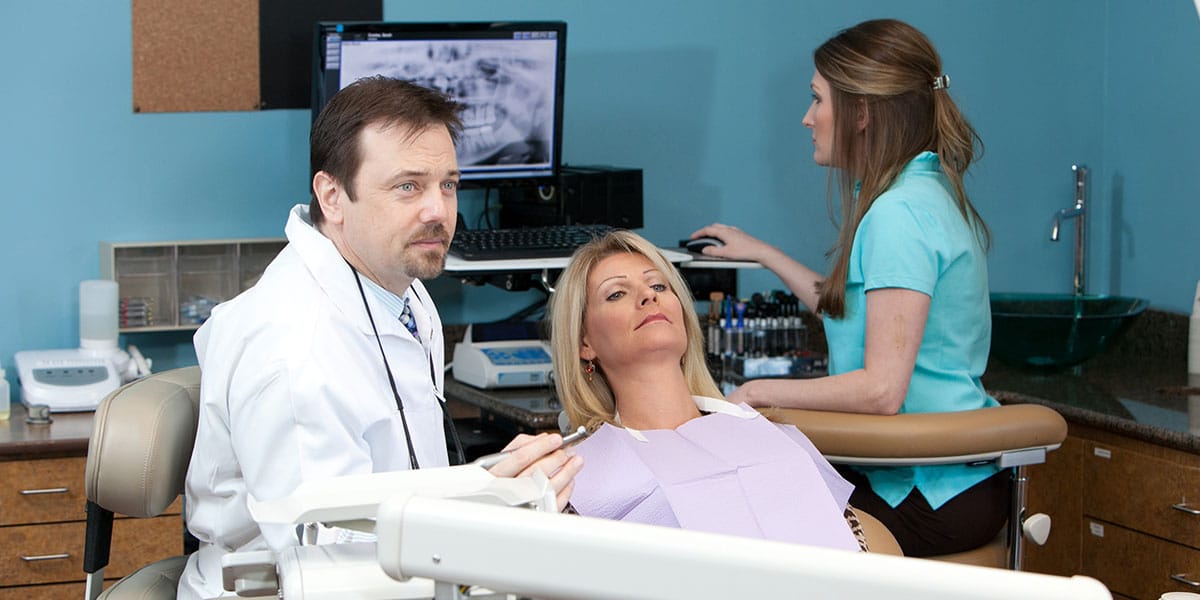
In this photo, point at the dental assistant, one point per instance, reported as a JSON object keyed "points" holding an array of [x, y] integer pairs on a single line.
{"points": [[332, 364], [905, 305]]}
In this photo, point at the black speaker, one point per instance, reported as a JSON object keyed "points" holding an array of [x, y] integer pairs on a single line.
{"points": [[583, 195]]}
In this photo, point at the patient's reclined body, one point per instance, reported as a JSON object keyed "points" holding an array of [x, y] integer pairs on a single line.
{"points": [[665, 450], [730, 471]]}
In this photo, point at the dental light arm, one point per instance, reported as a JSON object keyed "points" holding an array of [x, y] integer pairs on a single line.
{"points": [[437, 529], [565, 556]]}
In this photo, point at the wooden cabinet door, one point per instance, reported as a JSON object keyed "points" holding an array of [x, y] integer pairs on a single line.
{"points": [[1053, 489]]}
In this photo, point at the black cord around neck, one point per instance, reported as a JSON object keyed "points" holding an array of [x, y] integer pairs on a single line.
{"points": [[447, 423], [412, 453]]}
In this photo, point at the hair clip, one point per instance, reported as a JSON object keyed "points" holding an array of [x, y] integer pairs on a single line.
{"points": [[941, 82]]}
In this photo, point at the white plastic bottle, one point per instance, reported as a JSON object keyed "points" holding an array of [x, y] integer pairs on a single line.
{"points": [[5, 400], [1193, 359]]}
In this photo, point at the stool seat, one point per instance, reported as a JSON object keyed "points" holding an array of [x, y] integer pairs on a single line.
{"points": [[1011, 436], [155, 581]]}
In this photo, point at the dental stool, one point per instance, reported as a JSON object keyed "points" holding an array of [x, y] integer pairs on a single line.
{"points": [[1012, 436], [138, 455]]}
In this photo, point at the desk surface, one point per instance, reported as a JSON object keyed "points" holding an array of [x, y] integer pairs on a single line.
{"points": [[458, 266], [532, 408]]}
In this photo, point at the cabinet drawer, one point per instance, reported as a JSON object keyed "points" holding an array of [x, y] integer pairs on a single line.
{"points": [[55, 591], [1134, 564], [1138, 491], [136, 542], [42, 491]]}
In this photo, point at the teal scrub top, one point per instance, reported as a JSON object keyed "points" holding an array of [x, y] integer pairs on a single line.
{"points": [[915, 238]]}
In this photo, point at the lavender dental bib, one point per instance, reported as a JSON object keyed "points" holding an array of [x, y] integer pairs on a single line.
{"points": [[731, 472]]}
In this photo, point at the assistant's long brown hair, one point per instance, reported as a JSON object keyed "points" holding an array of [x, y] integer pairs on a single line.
{"points": [[885, 69]]}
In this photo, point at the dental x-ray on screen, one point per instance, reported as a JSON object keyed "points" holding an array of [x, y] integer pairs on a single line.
{"points": [[508, 78]]}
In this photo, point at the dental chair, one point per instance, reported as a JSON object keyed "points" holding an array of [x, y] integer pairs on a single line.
{"points": [[138, 455], [1012, 436]]}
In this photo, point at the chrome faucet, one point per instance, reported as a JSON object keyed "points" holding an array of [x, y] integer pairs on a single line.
{"points": [[1078, 213]]}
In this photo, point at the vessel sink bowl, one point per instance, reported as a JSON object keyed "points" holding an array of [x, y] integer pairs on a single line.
{"points": [[1057, 330]]}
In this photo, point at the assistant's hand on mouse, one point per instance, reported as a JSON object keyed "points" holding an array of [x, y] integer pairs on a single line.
{"points": [[542, 452], [739, 245]]}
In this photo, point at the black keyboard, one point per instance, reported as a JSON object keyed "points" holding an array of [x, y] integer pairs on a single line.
{"points": [[531, 242]]}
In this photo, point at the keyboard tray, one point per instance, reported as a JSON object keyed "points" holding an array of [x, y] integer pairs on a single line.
{"points": [[531, 242]]}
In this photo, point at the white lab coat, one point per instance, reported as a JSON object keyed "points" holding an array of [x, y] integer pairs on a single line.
{"points": [[293, 389]]}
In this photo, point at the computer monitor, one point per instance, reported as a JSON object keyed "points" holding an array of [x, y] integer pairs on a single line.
{"points": [[507, 75]]}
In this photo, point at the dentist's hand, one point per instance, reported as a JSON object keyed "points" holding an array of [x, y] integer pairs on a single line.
{"points": [[739, 245], [541, 452]]}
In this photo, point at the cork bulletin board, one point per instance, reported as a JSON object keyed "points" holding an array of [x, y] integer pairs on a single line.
{"points": [[195, 56], [226, 55]]}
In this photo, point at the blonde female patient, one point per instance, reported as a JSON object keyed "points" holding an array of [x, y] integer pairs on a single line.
{"points": [[665, 449]]}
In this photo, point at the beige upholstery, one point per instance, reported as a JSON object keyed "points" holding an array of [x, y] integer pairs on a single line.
{"points": [[141, 443], [879, 539], [992, 554], [927, 435], [158, 580], [997, 433]]}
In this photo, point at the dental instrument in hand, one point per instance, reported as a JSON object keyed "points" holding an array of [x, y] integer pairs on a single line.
{"points": [[490, 460]]}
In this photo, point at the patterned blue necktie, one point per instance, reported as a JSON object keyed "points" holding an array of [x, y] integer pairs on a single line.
{"points": [[406, 317]]}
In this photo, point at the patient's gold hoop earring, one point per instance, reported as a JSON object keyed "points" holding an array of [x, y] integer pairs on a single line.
{"points": [[589, 369]]}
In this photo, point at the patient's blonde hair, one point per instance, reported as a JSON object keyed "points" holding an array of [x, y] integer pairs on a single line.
{"points": [[591, 403]]}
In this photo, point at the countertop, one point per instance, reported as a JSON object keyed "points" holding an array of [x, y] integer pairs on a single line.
{"points": [[1145, 399], [1141, 399], [67, 435], [1138, 388]]}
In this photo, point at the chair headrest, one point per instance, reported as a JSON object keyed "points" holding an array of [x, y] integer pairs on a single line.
{"points": [[142, 437]]}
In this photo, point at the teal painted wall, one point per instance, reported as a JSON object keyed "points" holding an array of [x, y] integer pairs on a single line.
{"points": [[705, 96]]}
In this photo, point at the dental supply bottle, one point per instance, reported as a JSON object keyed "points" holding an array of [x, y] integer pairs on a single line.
{"points": [[741, 328], [759, 346], [5, 400], [713, 329], [777, 342]]}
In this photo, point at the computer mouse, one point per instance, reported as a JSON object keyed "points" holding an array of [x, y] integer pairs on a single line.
{"points": [[699, 244]]}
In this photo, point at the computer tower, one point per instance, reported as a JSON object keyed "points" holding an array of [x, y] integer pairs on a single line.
{"points": [[582, 195]]}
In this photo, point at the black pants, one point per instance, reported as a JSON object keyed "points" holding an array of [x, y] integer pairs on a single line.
{"points": [[966, 521]]}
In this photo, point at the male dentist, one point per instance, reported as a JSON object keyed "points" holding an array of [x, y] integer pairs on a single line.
{"points": [[332, 364]]}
